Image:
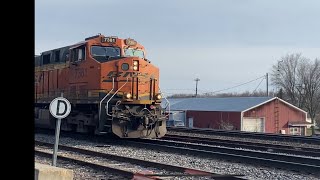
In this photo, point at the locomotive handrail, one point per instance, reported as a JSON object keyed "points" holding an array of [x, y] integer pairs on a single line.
{"points": [[105, 98], [166, 100], [113, 95]]}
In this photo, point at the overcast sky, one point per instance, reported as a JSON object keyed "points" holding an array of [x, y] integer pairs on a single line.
{"points": [[222, 42]]}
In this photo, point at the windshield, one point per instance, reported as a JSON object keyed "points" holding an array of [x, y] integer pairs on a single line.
{"points": [[103, 53], [134, 52]]}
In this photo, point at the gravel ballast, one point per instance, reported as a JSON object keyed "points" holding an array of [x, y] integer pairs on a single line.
{"points": [[206, 164]]}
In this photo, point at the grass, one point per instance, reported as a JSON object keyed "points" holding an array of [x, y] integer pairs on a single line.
{"points": [[309, 131]]}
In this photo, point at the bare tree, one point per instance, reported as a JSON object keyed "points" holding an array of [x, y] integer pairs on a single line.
{"points": [[285, 76], [299, 80], [317, 120], [310, 78]]}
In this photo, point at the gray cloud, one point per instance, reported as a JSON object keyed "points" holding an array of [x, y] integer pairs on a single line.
{"points": [[184, 38]]}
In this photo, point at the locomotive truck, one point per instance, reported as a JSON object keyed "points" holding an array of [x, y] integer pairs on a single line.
{"points": [[111, 85]]}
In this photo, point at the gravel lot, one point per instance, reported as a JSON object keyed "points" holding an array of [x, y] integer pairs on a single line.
{"points": [[217, 166]]}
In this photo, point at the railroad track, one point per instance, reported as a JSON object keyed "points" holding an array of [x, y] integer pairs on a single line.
{"points": [[304, 151], [131, 172], [288, 162], [254, 135]]}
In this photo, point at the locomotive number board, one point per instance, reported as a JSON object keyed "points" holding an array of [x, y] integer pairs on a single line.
{"points": [[108, 40]]}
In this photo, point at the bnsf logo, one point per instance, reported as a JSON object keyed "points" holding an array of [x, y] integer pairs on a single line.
{"points": [[126, 75]]}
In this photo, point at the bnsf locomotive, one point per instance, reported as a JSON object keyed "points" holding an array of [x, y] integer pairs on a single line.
{"points": [[110, 84]]}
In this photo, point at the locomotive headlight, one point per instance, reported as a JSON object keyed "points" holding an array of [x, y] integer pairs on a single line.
{"points": [[158, 96], [127, 95], [135, 65]]}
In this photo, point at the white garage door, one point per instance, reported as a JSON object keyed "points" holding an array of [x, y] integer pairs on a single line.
{"points": [[253, 124]]}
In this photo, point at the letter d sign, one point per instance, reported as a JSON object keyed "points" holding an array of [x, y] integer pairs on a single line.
{"points": [[60, 107]]}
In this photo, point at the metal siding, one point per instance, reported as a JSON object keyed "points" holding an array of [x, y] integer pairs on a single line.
{"points": [[286, 114], [212, 119]]}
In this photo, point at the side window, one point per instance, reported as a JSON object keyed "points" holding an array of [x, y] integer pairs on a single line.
{"points": [[46, 58], [64, 54], [57, 55], [78, 54]]}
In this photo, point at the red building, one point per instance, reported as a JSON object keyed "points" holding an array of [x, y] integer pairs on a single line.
{"points": [[255, 114]]}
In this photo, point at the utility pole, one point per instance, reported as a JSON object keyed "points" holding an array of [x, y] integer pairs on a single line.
{"points": [[197, 79], [267, 84]]}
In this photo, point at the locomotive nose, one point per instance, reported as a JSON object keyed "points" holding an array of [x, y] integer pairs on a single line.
{"points": [[133, 74]]}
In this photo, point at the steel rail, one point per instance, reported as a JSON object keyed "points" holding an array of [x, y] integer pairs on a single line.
{"points": [[255, 135], [119, 171], [304, 151], [288, 162], [186, 171]]}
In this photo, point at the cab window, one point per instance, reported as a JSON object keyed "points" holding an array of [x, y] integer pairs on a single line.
{"points": [[104, 53], [134, 52]]}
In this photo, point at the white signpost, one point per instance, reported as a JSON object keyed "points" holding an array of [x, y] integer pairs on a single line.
{"points": [[59, 108]]}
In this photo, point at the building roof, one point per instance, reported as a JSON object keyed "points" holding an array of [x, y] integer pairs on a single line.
{"points": [[232, 104], [299, 123]]}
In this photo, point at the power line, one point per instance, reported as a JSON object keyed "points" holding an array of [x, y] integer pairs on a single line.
{"points": [[236, 85], [177, 89], [187, 89], [258, 85]]}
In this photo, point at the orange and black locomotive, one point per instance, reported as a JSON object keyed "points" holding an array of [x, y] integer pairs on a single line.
{"points": [[110, 84]]}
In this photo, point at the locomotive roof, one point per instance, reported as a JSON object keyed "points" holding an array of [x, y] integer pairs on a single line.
{"points": [[47, 51]]}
